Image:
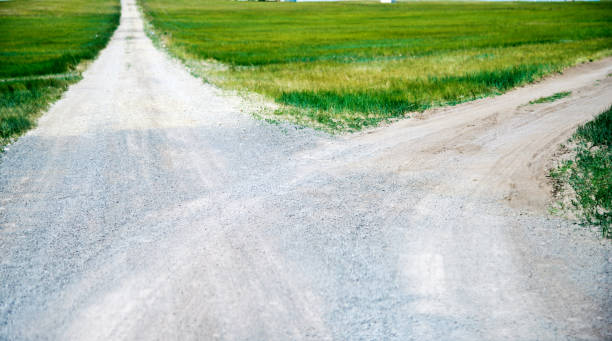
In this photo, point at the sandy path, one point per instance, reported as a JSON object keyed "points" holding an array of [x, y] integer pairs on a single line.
{"points": [[147, 206]]}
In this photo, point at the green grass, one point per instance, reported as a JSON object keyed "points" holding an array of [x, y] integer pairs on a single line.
{"points": [[41, 46], [346, 65], [557, 96], [589, 173]]}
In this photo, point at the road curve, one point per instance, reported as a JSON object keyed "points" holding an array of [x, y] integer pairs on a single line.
{"points": [[146, 205]]}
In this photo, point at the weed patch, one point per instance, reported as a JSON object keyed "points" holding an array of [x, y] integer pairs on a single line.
{"points": [[587, 177]]}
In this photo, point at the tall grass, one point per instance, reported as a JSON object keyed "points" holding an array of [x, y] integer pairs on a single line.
{"points": [[21, 102], [41, 45], [344, 65], [395, 100]]}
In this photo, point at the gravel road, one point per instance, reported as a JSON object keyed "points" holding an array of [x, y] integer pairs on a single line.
{"points": [[147, 205]]}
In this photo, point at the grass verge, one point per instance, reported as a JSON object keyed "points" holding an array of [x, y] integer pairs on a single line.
{"points": [[347, 65], [585, 180], [41, 47]]}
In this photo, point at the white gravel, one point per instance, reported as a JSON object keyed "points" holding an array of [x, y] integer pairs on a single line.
{"points": [[146, 205]]}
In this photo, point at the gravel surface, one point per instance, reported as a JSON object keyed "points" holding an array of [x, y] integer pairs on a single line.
{"points": [[147, 205]]}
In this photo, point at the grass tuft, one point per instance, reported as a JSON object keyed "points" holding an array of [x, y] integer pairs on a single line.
{"points": [[549, 99], [12, 125]]}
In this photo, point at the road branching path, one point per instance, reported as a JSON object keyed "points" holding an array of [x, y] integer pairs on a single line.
{"points": [[147, 205]]}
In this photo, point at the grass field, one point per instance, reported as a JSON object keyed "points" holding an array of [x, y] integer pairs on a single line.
{"points": [[348, 65], [589, 173], [41, 45]]}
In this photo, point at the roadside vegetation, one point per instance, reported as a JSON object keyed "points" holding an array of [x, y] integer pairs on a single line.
{"points": [[583, 183], [549, 99], [347, 65], [42, 44]]}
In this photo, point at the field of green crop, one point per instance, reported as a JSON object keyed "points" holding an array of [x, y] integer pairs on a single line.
{"points": [[41, 44], [346, 65]]}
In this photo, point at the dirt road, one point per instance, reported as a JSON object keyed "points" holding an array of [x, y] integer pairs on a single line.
{"points": [[146, 205]]}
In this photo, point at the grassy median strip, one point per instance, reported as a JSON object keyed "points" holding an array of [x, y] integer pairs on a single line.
{"points": [[41, 45], [586, 178], [346, 65], [549, 99]]}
